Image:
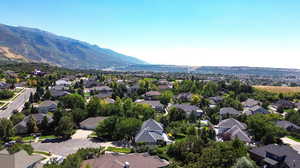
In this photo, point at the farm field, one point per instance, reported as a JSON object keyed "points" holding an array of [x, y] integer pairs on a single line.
{"points": [[278, 89]]}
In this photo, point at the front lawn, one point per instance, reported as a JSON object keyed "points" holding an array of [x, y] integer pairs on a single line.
{"points": [[43, 137], [294, 138], [119, 150]]}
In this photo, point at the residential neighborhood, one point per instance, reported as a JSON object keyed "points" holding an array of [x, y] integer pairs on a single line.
{"points": [[66, 118]]}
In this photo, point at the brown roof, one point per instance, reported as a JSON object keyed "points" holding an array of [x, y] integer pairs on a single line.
{"points": [[135, 160]]}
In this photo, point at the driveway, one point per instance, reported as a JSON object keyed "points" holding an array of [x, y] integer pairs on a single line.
{"points": [[71, 146], [294, 144], [66, 147], [81, 134]]}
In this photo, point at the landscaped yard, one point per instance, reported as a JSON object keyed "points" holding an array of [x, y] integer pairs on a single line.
{"points": [[43, 137], [294, 138], [120, 150]]}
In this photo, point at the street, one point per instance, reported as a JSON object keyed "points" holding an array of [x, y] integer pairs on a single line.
{"points": [[17, 104]]}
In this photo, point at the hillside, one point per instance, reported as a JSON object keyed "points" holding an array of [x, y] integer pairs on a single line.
{"points": [[28, 44]]}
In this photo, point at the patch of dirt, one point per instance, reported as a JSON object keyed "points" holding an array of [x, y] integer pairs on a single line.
{"points": [[6, 52]]}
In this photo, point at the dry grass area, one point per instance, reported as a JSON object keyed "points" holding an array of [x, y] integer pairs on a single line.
{"points": [[11, 55], [279, 89]]}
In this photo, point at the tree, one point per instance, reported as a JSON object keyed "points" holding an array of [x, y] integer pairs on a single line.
{"points": [[176, 114], [6, 129], [262, 128], [73, 101], [244, 162], [127, 128], [6, 94], [32, 125], [106, 128], [45, 124], [166, 97], [196, 99], [16, 118], [78, 115], [47, 95], [65, 127]]}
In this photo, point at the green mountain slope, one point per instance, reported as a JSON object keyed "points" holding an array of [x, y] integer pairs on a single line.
{"points": [[40, 46]]}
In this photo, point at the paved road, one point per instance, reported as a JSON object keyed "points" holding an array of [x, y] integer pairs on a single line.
{"points": [[17, 104]]}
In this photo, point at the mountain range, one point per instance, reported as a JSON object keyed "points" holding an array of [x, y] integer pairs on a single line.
{"points": [[34, 45]]}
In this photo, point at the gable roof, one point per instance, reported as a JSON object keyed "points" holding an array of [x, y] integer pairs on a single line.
{"points": [[151, 124], [250, 103], [47, 103], [91, 122], [149, 136], [152, 103], [230, 122], [187, 107], [152, 93], [19, 160], [38, 117], [286, 124], [292, 158], [236, 132], [229, 110], [135, 160]]}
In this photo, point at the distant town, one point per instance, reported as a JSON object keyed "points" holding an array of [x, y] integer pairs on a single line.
{"points": [[54, 117]]}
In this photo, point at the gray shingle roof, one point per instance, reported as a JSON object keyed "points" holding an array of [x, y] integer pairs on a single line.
{"points": [[286, 124], [150, 132], [186, 107], [250, 103], [229, 110], [230, 122], [236, 132], [292, 157]]}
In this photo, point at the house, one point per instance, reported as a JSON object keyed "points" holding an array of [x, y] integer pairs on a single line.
{"points": [[63, 82], [18, 160], [230, 129], [184, 97], [249, 103], [275, 156], [151, 132], [133, 160], [214, 101], [255, 110], [89, 83], [21, 127], [288, 126], [58, 93], [229, 111], [91, 123], [188, 109], [297, 105], [283, 104], [101, 91], [155, 104], [152, 95], [47, 106], [4, 85]]}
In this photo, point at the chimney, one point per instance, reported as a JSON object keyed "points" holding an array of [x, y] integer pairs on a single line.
{"points": [[126, 165]]}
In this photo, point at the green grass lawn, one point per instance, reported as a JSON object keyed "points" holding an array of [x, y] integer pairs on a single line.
{"points": [[294, 138], [43, 137], [119, 150], [23, 138], [43, 153]]}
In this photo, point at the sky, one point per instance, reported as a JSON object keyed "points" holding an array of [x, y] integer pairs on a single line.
{"points": [[263, 33]]}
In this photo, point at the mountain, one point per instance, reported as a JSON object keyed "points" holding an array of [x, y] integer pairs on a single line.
{"points": [[34, 45]]}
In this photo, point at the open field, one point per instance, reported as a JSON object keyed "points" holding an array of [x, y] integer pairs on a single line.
{"points": [[279, 89]]}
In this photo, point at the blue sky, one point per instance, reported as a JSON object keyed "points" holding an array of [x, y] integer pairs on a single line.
{"points": [[182, 32]]}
